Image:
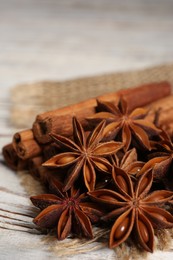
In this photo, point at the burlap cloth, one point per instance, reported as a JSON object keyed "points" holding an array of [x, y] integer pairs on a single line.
{"points": [[28, 100]]}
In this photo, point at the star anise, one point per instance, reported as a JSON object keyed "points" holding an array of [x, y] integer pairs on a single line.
{"points": [[128, 161], [133, 209], [161, 162], [127, 126], [68, 211], [83, 154]]}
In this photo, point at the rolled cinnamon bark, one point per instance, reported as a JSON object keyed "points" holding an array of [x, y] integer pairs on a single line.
{"points": [[33, 165], [25, 145], [44, 175], [146, 94], [59, 121], [12, 159], [50, 150]]}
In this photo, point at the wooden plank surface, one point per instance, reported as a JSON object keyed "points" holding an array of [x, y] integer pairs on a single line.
{"points": [[52, 39]]}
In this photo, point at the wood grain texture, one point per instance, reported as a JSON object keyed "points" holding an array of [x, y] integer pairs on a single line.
{"points": [[53, 39]]}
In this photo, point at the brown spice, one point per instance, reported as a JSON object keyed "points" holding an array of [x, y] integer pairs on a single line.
{"points": [[133, 208], [83, 154], [33, 166], [25, 145], [127, 126], [161, 162], [12, 159], [125, 197], [59, 121], [164, 110], [68, 211]]}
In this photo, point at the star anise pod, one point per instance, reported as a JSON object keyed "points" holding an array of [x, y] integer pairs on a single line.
{"points": [[161, 162], [83, 154], [128, 161], [68, 211], [134, 209], [127, 126]]}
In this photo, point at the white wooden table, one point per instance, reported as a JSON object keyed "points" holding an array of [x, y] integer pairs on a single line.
{"points": [[55, 39]]}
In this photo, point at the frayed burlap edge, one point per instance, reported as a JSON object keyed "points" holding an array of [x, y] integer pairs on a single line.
{"points": [[75, 246]]}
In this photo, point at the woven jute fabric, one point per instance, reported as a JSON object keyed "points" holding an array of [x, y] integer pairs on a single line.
{"points": [[28, 100]]}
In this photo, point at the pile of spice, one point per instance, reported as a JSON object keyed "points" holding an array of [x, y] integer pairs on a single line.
{"points": [[106, 162]]}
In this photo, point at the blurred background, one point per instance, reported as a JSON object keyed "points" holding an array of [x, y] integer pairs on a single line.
{"points": [[62, 39]]}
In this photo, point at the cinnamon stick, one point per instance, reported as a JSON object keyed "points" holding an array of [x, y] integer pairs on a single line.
{"points": [[33, 165], [44, 175], [25, 144], [146, 94], [50, 150], [12, 160], [59, 121]]}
